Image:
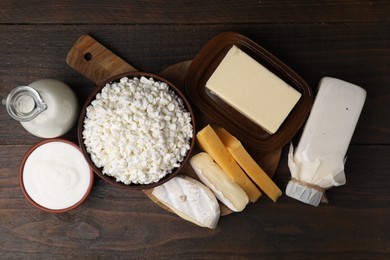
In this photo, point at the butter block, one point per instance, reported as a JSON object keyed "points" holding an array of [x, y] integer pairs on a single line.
{"points": [[251, 168], [226, 191], [189, 199], [210, 143], [253, 90]]}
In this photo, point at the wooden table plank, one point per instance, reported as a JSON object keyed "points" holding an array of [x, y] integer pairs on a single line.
{"points": [[192, 12]]}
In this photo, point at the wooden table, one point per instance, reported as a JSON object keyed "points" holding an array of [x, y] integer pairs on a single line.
{"points": [[349, 40]]}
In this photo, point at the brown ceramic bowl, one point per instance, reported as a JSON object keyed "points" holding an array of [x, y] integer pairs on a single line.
{"points": [[25, 186], [203, 66], [110, 179]]}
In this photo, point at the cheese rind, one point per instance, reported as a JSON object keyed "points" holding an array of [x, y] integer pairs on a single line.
{"points": [[189, 199], [253, 90], [210, 143], [226, 191], [251, 168]]}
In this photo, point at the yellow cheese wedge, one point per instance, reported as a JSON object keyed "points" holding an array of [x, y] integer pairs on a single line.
{"points": [[210, 143], [251, 168]]}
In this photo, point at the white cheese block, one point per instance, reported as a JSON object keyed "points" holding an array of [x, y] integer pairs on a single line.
{"points": [[253, 90], [318, 160], [189, 199], [228, 192]]}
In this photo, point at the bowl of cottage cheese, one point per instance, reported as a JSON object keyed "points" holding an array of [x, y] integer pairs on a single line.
{"points": [[136, 130]]}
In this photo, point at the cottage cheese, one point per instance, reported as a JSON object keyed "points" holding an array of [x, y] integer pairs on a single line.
{"points": [[137, 130]]}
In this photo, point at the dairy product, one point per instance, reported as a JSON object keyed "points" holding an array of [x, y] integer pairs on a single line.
{"points": [[56, 176], [227, 191], [253, 90], [210, 143], [251, 168], [318, 161], [189, 199], [137, 130], [61, 110]]}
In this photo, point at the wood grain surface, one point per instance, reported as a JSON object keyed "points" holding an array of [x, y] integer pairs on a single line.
{"points": [[349, 40]]}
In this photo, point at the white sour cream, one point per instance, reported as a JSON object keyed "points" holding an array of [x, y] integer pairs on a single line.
{"points": [[56, 175]]}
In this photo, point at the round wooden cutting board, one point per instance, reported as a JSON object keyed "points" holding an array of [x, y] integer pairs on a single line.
{"points": [[97, 63]]}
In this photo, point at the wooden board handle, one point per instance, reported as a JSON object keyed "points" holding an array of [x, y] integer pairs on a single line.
{"points": [[94, 61]]}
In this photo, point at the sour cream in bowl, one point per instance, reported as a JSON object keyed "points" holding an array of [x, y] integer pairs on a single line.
{"points": [[54, 176]]}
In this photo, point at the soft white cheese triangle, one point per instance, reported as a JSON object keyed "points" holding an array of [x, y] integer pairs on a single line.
{"points": [[189, 199], [227, 191]]}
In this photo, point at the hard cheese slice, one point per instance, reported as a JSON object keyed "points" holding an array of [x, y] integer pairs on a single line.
{"points": [[210, 143], [189, 199], [253, 90], [227, 191], [251, 168]]}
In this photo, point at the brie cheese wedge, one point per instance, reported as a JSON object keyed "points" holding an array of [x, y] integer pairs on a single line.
{"points": [[189, 199], [227, 191]]}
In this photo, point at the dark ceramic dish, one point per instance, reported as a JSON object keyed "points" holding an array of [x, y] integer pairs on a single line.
{"points": [[110, 179], [203, 66]]}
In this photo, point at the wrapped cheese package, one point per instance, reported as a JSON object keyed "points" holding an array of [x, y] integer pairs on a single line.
{"points": [[317, 163]]}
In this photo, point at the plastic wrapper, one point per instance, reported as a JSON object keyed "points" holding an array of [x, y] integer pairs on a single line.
{"points": [[318, 161]]}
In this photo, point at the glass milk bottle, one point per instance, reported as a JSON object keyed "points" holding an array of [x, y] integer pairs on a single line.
{"points": [[46, 108]]}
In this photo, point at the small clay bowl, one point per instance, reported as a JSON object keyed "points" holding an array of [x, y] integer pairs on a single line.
{"points": [[112, 180], [24, 185]]}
